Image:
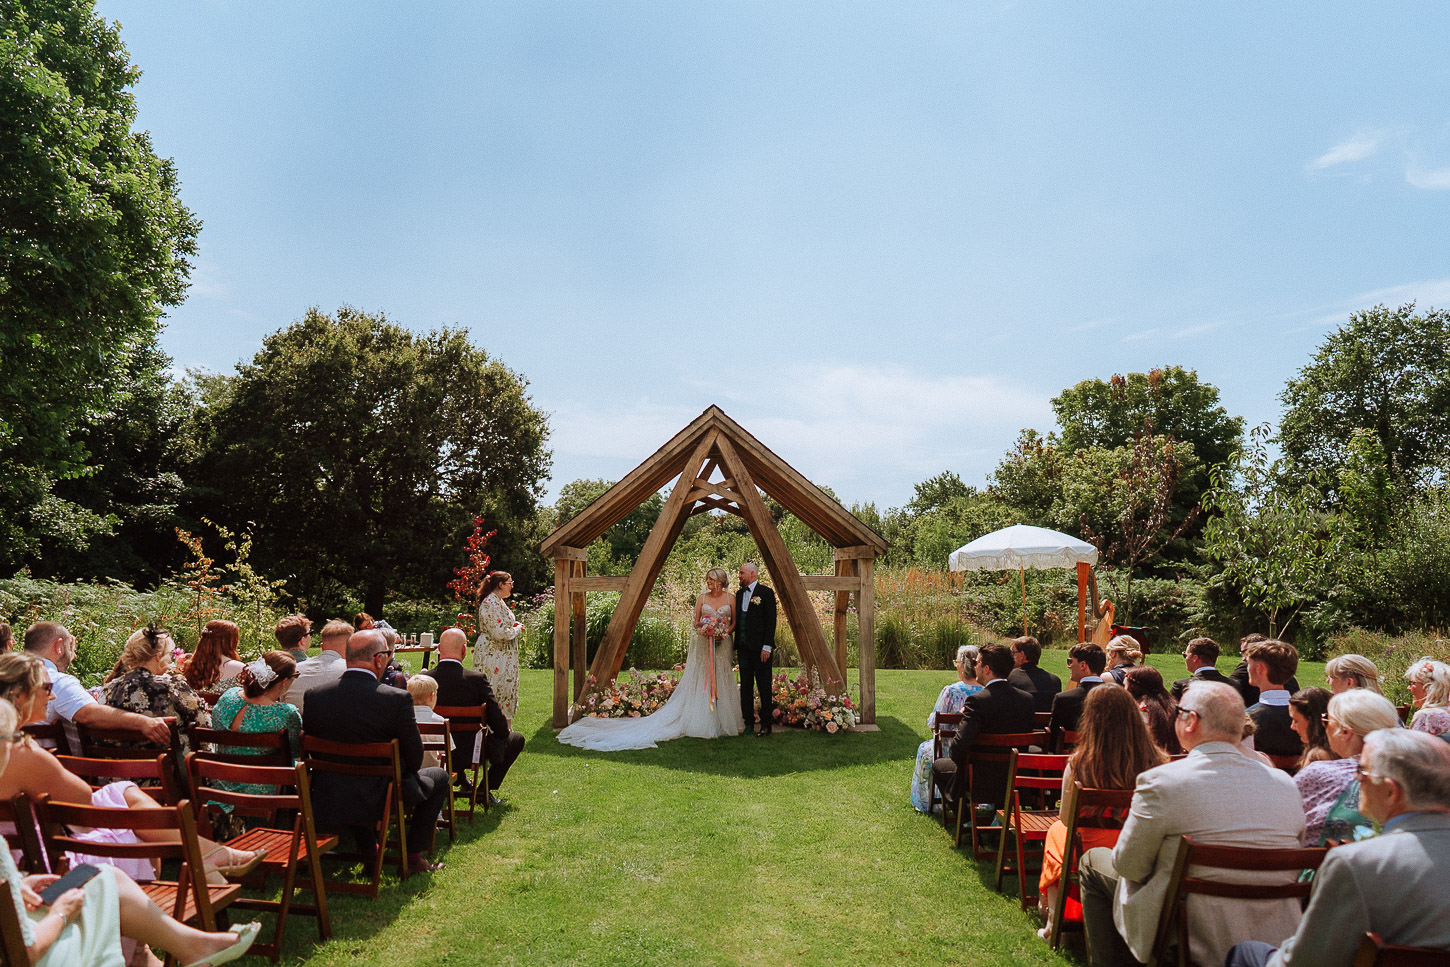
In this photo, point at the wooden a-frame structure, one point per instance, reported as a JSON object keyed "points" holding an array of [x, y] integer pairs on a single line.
{"points": [[715, 445]]}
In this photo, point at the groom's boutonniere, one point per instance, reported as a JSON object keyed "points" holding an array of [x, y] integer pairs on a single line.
{"points": [[755, 600]]}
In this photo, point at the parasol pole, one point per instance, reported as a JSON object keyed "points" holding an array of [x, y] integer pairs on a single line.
{"points": [[1022, 570]]}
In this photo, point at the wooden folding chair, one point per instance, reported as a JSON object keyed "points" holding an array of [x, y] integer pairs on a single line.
{"points": [[379, 760], [989, 747], [98, 743], [942, 735], [1066, 741], [438, 739], [50, 735], [1040, 778], [12, 941], [243, 748], [1044, 719], [1092, 809], [468, 724], [188, 898], [1374, 952], [287, 849], [1173, 921], [154, 774], [17, 812]]}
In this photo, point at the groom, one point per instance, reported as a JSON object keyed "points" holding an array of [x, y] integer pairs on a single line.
{"points": [[754, 641]]}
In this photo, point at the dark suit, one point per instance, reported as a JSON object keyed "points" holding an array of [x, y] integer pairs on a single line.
{"points": [[1205, 674], [461, 686], [1067, 709], [999, 708], [1240, 676], [755, 630], [1275, 733], [1038, 682], [358, 708]]}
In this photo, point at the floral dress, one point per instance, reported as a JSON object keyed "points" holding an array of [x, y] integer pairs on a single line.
{"points": [[141, 692], [952, 700], [1435, 720], [496, 653], [275, 717]]}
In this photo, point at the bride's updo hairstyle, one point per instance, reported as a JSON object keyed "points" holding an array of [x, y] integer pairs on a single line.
{"points": [[492, 582], [721, 575]]}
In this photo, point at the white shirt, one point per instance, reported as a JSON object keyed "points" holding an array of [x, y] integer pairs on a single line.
{"points": [[70, 695], [749, 590], [324, 668], [1274, 696]]}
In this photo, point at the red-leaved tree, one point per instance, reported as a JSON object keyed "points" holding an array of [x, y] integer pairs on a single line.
{"points": [[469, 578]]}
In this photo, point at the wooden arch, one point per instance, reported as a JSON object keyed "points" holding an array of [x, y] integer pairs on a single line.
{"points": [[716, 465]]}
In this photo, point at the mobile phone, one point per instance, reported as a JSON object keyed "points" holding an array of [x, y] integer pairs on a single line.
{"points": [[78, 876]]}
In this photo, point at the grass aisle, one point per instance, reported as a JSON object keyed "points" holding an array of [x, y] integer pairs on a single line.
{"points": [[799, 849]]}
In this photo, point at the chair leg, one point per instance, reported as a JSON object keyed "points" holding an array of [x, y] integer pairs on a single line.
{"points": [[1021, 872], [1007, 827]]}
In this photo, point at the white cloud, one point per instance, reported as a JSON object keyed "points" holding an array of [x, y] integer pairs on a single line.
{"points": [[208, 280], [1360, 146], [1430, 179]]}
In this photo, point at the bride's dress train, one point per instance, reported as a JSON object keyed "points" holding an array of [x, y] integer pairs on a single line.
{"points": [[687, 713]]}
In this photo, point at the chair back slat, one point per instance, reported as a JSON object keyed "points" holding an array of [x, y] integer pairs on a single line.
{"points": [[1374, 952], [49, 732], [223, 745], [156, 769], [99, 743], [17, 812]]}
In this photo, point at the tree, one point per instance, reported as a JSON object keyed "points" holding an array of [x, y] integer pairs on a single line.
{"points": [[1273, 543], [364, 452], [625, 539], [94, 247], [1386, 371]]}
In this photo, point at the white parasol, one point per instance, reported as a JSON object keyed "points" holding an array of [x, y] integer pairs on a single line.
{"points": [[1022, 546]]}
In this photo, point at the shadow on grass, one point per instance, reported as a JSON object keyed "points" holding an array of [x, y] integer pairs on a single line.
{"points": [[784, 752]]}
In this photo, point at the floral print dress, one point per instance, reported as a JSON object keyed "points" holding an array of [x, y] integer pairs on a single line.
{"points": [[952, 700], [158, 696], [496, 653]]}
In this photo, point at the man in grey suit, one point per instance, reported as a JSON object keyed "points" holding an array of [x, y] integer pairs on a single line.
{"points": [[1216, 795], [1393, 884]]}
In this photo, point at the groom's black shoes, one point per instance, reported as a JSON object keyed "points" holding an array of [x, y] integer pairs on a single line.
{"points": [[762, 733]]}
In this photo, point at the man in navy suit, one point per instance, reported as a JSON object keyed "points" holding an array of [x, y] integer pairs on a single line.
{"points": [[1271, 665], [1201, 657], [1036, 681], [754, 644], [463, 686], [998, 708], [1085, 664], [359, 708]]}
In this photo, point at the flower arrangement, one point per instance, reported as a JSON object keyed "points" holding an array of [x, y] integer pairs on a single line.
{"points": [[633, 697], [805, 703]]}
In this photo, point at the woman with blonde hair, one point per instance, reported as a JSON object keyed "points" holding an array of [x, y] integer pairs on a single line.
{"points": [[1113, 747], [1330, 789], [1123, 654], [952, 700], [142, 682], [1430, 685], [83, 926], [1352, 671], [215, 664]]}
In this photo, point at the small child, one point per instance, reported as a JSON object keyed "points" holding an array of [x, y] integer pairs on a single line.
{"points": [[424, 690]]}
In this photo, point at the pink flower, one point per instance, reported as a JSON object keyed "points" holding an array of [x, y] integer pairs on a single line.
{"points": [[832, 727]]}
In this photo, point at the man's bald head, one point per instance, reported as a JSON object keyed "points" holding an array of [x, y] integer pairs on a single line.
{"points": [[363, 645], [1219, 709], [453, 643]]}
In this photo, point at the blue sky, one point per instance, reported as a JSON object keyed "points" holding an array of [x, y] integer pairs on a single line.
{"points": [[880, 236]]}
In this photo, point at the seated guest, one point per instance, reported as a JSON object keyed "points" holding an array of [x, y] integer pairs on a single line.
{"points": [[1123, 654], [1240, 674], [462, 686], [1352, 671], [1214, 794], [1085, 664], [294, 634], [1329, 788], [953, 696], [214, 665], [1113, 748], [56, 648], [1036, 681], [1393, 884], [423, 690], [36, 772], [83, 927], [1307, 709], [142, 683], [1145, 685], [358, 707], [997, 708], [1201, 657], [323, 668], [7, 637], [395, 674], [1430, 685], [1271, 664]]}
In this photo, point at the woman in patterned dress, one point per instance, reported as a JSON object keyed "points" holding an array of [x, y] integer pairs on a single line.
{"points": [[1330, 788], [1430, 685], [142, 682], [953, 699], [496, 653]]}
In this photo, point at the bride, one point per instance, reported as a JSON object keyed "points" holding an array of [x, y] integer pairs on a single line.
{"points": [[706, 702]]}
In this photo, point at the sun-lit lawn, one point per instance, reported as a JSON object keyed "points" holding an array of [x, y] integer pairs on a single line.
{"points": [[797, 849]]}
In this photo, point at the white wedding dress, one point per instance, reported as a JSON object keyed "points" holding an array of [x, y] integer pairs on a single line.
{"points": [[687, 713]]}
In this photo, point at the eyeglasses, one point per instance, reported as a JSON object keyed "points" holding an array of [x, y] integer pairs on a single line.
{"points": [[1363, 774], [1187, 711]]}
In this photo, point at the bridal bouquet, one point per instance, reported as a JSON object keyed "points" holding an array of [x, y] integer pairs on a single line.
{"points": [[711, 627]]}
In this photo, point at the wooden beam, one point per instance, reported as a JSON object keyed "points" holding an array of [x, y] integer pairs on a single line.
{"points": [[647, 568], [831, 582], [561, 643], [571, 554], [707, 506], [579, 659], [839, 613], [798, 610], [614, 582], [866, 637], [854, 553]]}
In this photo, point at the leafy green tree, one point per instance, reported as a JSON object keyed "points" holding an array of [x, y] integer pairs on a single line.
{"points": [[94, 247], [625, 539], [1386, 371], [1030, 476], [363, 452]]}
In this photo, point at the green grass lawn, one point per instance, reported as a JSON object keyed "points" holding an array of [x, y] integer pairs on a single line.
{"points": [[797, 849]]}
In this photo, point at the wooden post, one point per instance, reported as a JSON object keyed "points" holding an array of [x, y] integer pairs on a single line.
{"points": [[843, 602], [866, 637], [562, 567], [1083, 570], [581, 634]]}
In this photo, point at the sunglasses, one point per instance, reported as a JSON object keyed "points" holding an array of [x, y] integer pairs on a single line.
{"points": [[12, 738]]}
